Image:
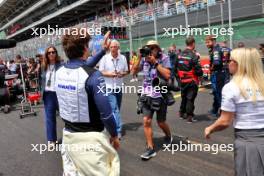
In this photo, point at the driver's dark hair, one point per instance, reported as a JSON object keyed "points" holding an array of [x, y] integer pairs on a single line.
{"points": [[75, 42], [189, 41]]}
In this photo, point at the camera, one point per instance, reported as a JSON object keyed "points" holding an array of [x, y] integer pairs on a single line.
{"points": [[145, 51], [168, 96]]}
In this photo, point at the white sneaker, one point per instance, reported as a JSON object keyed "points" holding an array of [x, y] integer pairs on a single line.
{"points": [[119, 136], [132, 80]]}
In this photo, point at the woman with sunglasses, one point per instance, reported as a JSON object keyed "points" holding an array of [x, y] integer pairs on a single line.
{"points": [[50, 64], [243, 105]]}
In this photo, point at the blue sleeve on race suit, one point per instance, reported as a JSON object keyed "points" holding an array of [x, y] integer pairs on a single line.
{"points": [[91, 62], [96, 84]]}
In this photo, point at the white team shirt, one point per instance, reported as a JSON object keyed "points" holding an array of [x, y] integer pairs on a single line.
{"points": [[110, 64], [248, 114]]}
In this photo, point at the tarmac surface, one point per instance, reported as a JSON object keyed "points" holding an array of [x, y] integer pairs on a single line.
{"points": [[19, 135]]}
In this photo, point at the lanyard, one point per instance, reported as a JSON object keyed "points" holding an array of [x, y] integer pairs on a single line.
{"points": [[115, 64], [51, 72]]}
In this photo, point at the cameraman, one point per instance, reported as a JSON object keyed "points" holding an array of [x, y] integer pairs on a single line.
{"points": [[155, 64], [188, 69]]}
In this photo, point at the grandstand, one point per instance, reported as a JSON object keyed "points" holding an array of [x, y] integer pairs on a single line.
{"points": [[42, 13], [18, 17]]}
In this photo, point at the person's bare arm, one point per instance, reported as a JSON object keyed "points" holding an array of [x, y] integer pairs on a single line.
{"points": [[109, 74], [37, 68], [122, 74], [29, 70], [165, 72], [220, 124]]}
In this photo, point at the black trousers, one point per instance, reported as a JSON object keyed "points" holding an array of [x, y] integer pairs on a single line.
{"points": [[4, 97], [188, 95]]}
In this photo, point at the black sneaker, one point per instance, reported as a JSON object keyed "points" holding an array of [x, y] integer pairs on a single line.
{"points": [[168, 139], [149, 153], [191, 119]]}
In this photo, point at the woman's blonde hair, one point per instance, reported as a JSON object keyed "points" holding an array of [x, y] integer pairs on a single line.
{"points": [[250, 69]]}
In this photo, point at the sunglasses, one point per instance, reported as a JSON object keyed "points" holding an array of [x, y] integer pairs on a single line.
{"points": [[52, 52]]}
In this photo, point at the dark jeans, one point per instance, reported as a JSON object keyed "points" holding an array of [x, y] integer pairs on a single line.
{"points": [[50, 106], [115, 100], [218, 79], [188, 95]]}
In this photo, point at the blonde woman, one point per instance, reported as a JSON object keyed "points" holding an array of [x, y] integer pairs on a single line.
{"points": [[243, 104]]}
